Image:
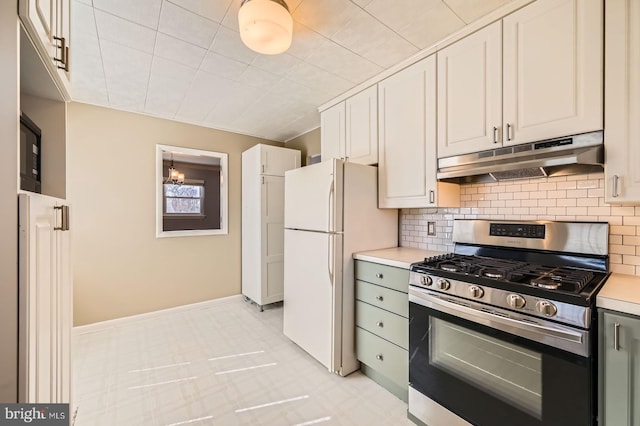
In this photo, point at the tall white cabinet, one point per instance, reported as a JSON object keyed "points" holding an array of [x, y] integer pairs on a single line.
{"points": [[263, 168], [622, 101], [45, 301]]}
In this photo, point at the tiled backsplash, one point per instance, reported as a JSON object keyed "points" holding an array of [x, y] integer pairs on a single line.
{"points": [[571, 198]]}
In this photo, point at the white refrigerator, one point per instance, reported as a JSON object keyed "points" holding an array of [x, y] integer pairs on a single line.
{"points": [[330, 212]]}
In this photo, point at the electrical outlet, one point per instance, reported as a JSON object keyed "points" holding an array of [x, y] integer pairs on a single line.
{"points": [[431, 228]]}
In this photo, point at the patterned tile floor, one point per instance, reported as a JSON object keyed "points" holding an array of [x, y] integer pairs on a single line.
{"points": [[226, 364]]}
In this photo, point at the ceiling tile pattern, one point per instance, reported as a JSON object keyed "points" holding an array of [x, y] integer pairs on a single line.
{"points": [[184, 60]]}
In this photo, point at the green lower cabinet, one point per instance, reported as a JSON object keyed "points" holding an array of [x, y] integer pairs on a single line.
{"points": [[619, 369]]}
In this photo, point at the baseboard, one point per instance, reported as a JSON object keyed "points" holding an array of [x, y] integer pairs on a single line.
{"points": [[119, 322]]}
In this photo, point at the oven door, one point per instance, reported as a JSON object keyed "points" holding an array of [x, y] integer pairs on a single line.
{"points": [[494, 370]]}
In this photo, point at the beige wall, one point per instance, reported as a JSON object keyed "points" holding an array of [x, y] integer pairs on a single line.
{"points": [[308, 143], [120, 267], [9, 106]]}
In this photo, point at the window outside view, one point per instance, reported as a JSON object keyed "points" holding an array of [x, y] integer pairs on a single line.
{"points": [[183, 199]]}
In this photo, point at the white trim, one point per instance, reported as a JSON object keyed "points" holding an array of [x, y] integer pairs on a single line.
{"points": [[119, 322]]}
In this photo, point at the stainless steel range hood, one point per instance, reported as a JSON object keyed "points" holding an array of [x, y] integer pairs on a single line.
{"points": [[583, 153]]}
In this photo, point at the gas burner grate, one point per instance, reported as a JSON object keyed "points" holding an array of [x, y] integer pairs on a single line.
{"points": [[523, 273]]}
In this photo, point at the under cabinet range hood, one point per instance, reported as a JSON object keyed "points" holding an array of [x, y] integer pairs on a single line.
{"points": [[583, 153]]}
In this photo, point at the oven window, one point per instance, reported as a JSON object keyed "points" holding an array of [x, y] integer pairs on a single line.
{"points": [[509, 372]]}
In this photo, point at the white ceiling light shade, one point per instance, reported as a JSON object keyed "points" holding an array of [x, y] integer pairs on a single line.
{"points": [[266, 26]]}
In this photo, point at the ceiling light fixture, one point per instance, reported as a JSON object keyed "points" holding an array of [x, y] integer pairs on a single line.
{"points": [[266, 26], [174, 177]]}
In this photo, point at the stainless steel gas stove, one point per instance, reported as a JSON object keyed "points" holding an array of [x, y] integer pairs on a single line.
{"points": [[503, 328]]}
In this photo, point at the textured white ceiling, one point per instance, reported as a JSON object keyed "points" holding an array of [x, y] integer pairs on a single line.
{"points": [[183, 59]]}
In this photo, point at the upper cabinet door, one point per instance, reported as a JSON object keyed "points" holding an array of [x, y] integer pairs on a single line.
{"points": [[407, 128], [622, 102], [48, 23], [275, 160], [332, 132], [470, 93], [552, 79], [362, 127]]}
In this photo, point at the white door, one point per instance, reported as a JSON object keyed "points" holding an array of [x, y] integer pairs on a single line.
{"points": [[275, 161], [272, 239], [407, 128], [313, 294], [470, 93], [332, 132], [362, 127], [41, 16], [45, 302], [313, 197], [552, 77]]}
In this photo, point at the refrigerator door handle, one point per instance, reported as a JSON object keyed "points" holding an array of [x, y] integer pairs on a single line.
{"points": [[330, 252], [331, 207]]}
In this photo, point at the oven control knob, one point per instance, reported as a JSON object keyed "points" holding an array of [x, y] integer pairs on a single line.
{"points": [[547, 309], [516, 301], [475, 291], [443, 284], [426, 280]]}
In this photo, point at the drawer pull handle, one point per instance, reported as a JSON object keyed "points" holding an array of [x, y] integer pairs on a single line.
{"points": [[379, 275], [616, 336], [380, 298], [380, 324], [380, 357]]}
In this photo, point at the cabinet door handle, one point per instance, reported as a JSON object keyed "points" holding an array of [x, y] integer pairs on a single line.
{"points": [[379, 357], [380, 324], [380, 298], [432, 196], [379, 275], [64, 218], [615, 185], [495, 134], [616, 336], [508, 131]]}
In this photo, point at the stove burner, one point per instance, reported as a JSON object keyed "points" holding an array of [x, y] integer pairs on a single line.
{"points": [[449, 267], [492, 273], [563, 279]]}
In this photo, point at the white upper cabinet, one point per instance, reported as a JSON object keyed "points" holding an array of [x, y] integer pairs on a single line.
{"points": [[48, 23], [544, 82], [470, 93], [552, 70], [332, 132], [349, 130], [407, 141], [275, 160], [622, 101]]}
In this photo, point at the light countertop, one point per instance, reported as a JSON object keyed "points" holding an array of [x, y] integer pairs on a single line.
{"points": [[400, 257], [620, 293]]}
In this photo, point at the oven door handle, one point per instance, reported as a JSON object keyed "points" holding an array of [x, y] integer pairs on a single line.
{"points": [[575, 341]]}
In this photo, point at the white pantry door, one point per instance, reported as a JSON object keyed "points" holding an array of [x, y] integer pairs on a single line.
{"points": [[45, 299]]}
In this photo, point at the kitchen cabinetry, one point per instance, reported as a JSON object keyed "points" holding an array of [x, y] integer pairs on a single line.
{"points": [[535, 75], [382, 325], [45, 301], [407, 141], [622, 101], [263, 168], [619, 373], [48, 23], [349, 130]]}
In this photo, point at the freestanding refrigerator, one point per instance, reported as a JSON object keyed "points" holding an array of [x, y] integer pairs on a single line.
{"points": [[330, 212]]}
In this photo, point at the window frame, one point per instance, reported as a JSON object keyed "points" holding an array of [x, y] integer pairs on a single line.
{"points": [[187, 182]]}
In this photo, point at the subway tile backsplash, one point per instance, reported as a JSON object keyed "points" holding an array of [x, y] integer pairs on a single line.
{"points": [[572, 198]]}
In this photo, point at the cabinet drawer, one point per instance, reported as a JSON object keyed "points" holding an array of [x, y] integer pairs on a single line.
{"points": [[382, 297], [386, 358], [387, 325], [387, 276]]}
